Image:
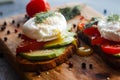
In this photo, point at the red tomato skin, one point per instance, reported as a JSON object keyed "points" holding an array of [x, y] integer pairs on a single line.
{"points": [[29, 45], [98, 41], [91, 31], [110, 49], [36, 6]]}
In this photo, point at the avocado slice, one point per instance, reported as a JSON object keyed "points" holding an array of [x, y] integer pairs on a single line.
{"points": [[62, 41], [43, 54]]}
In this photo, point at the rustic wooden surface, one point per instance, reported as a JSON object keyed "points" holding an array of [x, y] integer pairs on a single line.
{"points": [[81, 68]]}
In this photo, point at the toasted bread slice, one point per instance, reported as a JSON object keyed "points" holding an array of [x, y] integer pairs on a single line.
{"points": [[111, 60], [28, 65], [10, 39]]}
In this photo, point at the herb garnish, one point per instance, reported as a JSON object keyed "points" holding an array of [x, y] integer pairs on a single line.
{"points": [[70, 12], [42, 16], [114, 17], [93, 21]]}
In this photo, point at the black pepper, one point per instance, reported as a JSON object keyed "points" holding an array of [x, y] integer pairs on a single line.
{"points": [[83, 66], [27, 17], [70, 64], [8, 32], [18, 25], [13, 21], [2, 28], [15, 30], [4, 23], [74, 25], [90, 66], [19, 35], [5, 38]]}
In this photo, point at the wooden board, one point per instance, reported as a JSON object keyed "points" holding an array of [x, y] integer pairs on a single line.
{"points": [[82, 68]]}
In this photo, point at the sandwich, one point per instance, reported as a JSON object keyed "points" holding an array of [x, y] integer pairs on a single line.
{"points": [[46, 42], [103, 35], [42, 40]]}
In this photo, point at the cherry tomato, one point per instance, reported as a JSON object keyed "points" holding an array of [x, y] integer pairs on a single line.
{"points": [[111, 48], [29, 45], [36, 6]]}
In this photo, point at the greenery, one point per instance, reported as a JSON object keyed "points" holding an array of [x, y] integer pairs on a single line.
{"points": [[70, 12], [42, 16], [114, 17], [93, 21]]}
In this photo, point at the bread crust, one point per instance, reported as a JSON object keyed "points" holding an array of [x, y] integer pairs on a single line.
{"points": [[113, 61], [27, 65], [13, 40]]}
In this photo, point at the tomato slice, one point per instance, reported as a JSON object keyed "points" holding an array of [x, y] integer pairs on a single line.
{"points": [[29, 45], [98, 41], [91, 31], [111, 48], [36, 6]]}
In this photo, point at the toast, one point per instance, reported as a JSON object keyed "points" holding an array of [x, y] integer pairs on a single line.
{"points": [[113, 61], [28, 65], [89, 38], [13, 31]]}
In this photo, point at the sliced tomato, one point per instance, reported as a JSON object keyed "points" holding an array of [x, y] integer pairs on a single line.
{"points": [[36, 6], [29, 45], [111, 48], [98, 41], [91, 31]]}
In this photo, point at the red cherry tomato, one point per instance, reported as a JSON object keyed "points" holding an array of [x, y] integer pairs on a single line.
{"points": [[36, 6], [29, 45], [111, 48]]}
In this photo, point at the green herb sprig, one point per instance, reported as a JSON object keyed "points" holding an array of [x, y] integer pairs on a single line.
{"points": [[93, 21], [114, 17], [42, 16], [70, 12]]}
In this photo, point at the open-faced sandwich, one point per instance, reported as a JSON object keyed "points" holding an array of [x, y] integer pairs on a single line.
{"points": [[47, 42], [41, 42], [103, 34]]}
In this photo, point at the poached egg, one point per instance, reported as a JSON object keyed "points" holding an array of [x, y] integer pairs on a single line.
{"points": [[49, 29], [109, 29]]}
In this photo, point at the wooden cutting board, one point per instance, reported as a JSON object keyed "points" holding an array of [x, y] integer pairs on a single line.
{"points": [[76, 68]]}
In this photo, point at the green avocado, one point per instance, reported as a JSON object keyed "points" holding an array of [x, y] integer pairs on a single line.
{"points": [[43, 54], [67, 39]]}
